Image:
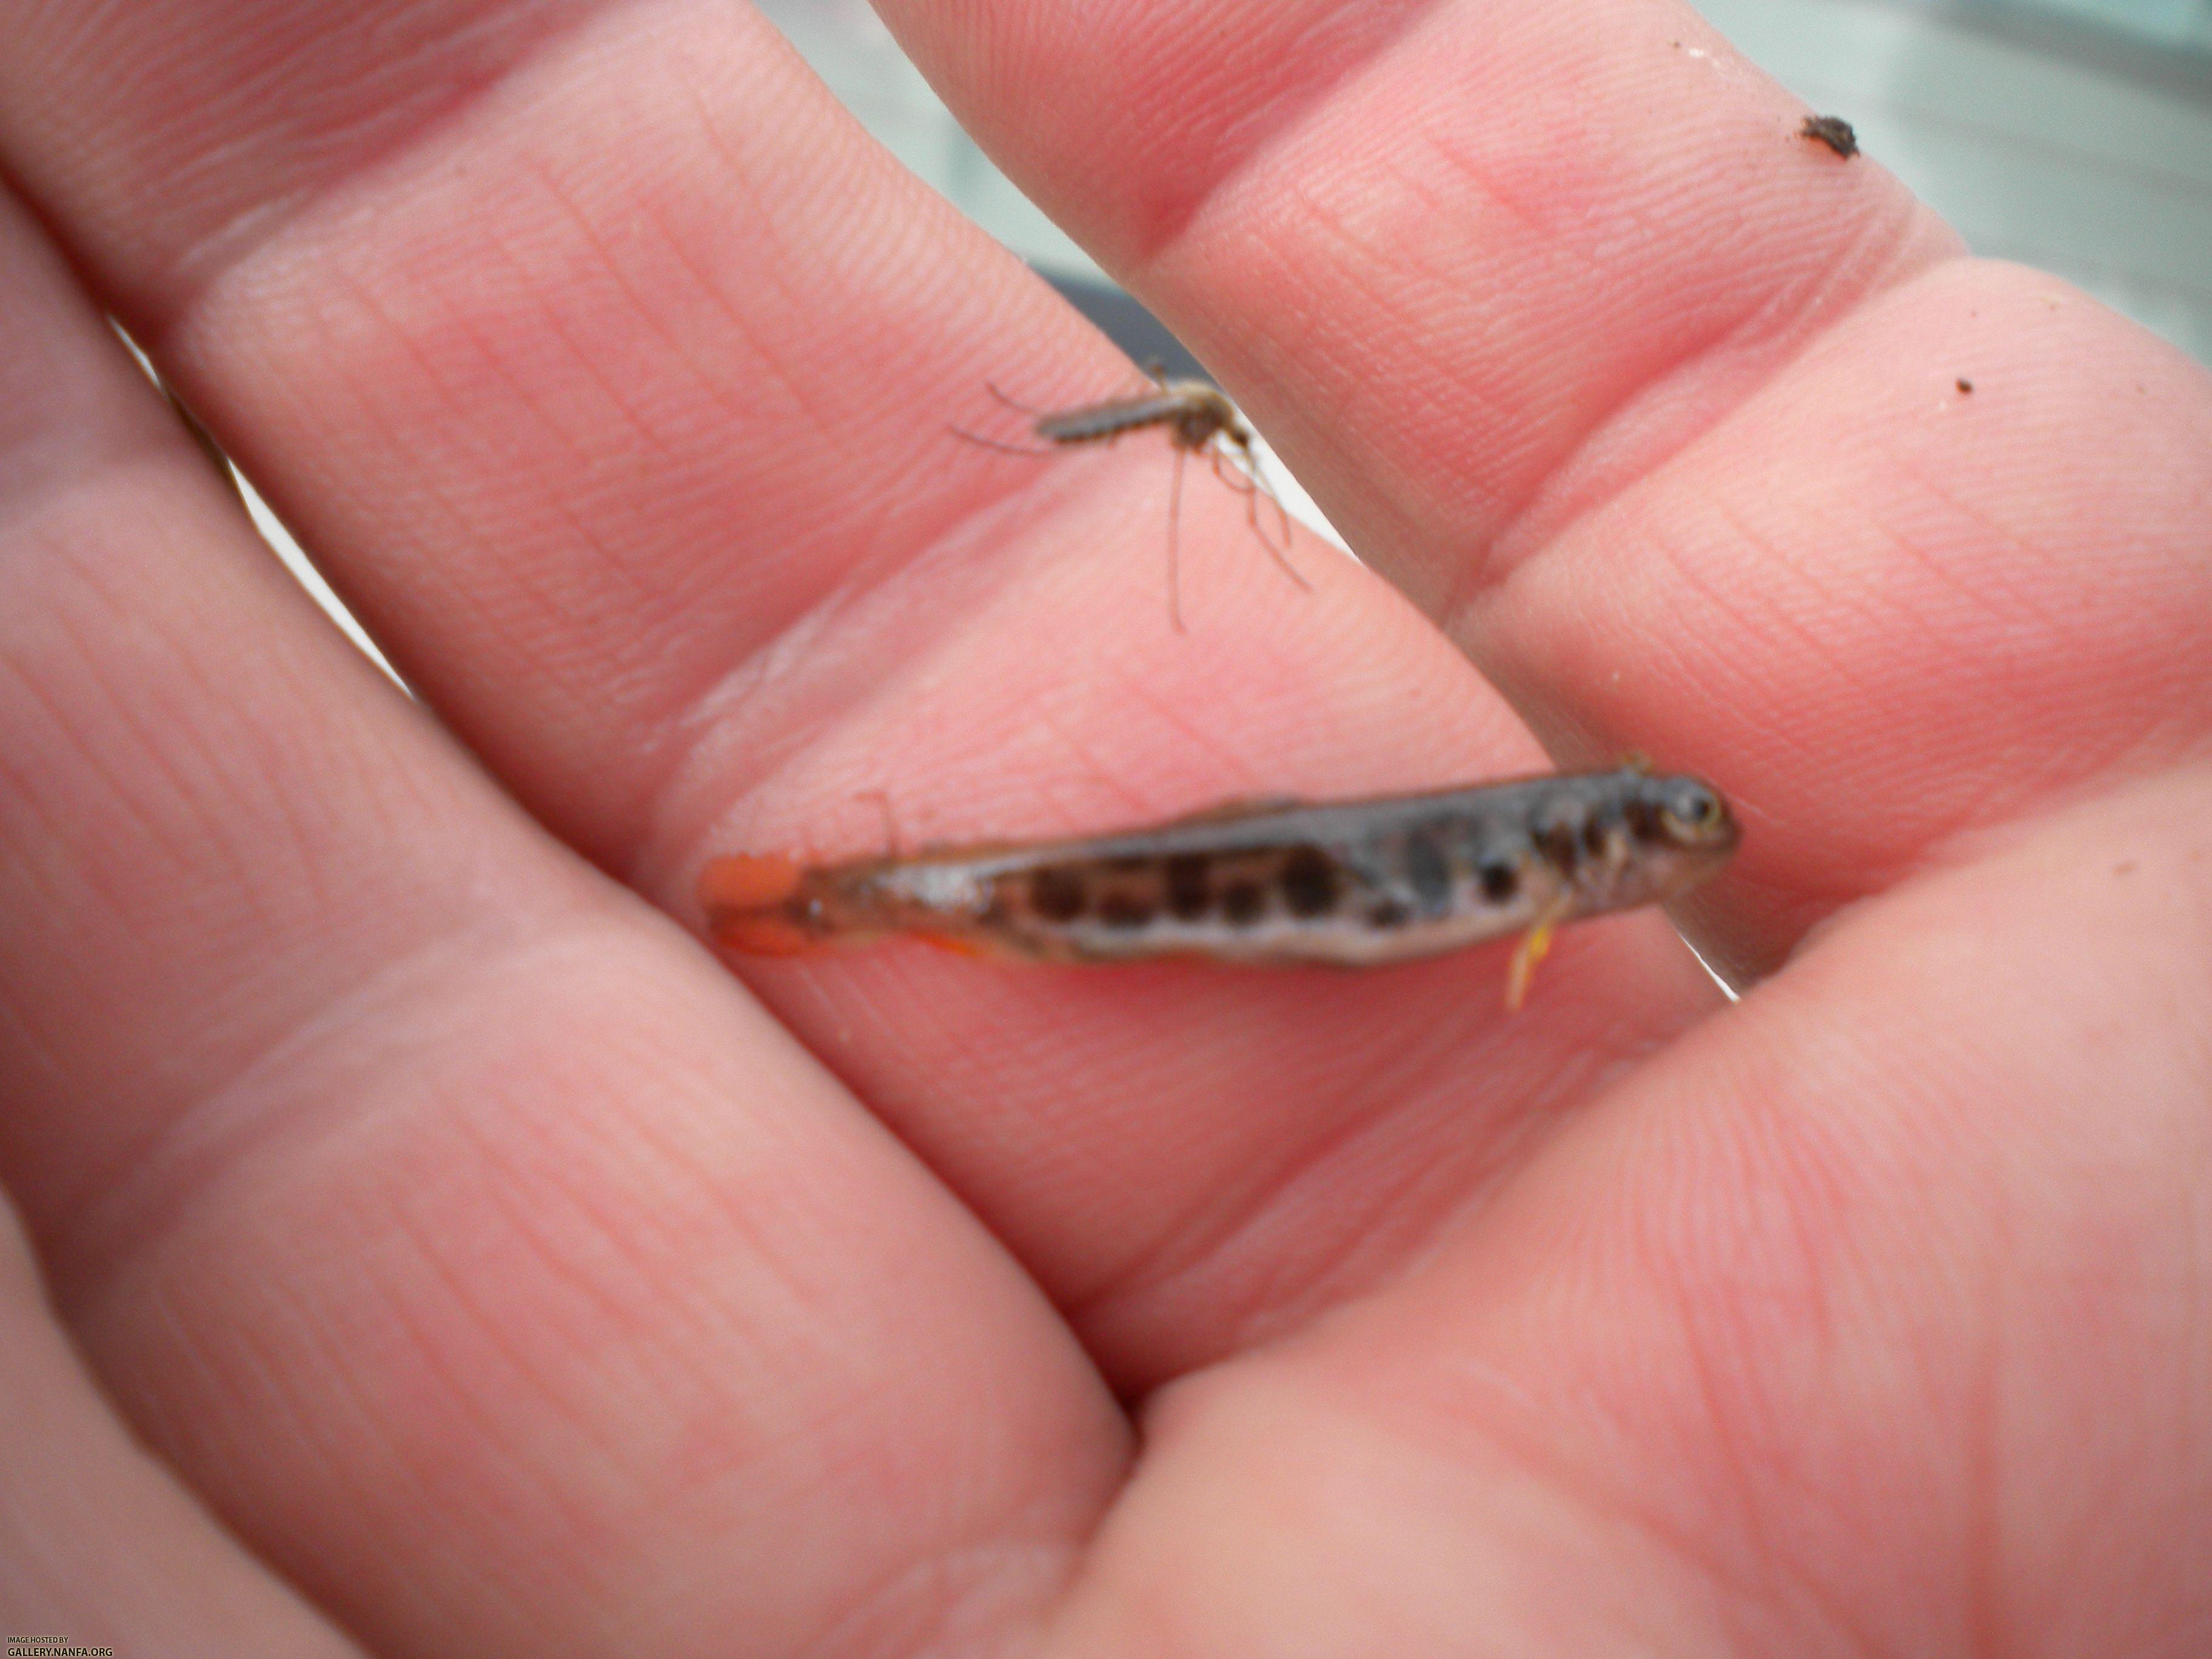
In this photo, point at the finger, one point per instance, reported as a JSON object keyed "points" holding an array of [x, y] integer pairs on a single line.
{"points": [[1657, 403], [1889, 612], [477, 1251], [1548, 245], [98, 1545], [799, 602], [1190, 1158], [1868, 1320], [583, 378]]}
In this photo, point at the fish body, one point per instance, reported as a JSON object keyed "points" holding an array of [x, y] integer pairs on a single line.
{"points": [[1351, 883]]}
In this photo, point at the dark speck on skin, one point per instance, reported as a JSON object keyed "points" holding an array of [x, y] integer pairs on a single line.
{"points": [[1966, 385], [1832, 130]]}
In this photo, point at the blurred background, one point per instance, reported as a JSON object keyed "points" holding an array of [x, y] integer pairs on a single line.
{"points": [[2075, 135]]}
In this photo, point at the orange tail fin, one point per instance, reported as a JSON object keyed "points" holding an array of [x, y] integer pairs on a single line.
{"points": [[742, 894]]}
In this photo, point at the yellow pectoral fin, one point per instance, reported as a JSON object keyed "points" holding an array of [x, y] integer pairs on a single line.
{"points": [[1535, 945]]}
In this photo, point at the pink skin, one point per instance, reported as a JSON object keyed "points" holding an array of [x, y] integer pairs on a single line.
{"points": [[494, 1273]]}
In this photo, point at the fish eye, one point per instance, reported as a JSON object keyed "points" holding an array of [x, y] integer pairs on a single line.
{"points": [[1693, 808]]}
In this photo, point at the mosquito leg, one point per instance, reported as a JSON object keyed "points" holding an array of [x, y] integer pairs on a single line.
{"points": [[1175, 527], [1012, 403], [1280, 555], [1251, 486], [1003, 448], [1281, 512], [882, 800], [1236, 478]]}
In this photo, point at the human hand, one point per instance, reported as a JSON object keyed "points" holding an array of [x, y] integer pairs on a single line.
{"points": [[497, 1274]]}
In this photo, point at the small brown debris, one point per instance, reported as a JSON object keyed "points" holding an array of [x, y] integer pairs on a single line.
{"points": [[1832, 130], [1966, 385]]}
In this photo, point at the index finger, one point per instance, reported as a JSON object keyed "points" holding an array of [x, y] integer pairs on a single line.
{"points": [[1471, 265], [1702, 438]]}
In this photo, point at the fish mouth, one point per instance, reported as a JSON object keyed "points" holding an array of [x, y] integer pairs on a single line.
{"points": [[1715, 840], [1699, 860], [1686, 861]]}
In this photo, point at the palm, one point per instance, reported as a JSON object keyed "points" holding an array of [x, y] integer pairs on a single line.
{"points": [[509, 1279]]}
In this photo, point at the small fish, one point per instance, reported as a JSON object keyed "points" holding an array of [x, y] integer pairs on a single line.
{"points": [[1198, 418], [1350, 883]]}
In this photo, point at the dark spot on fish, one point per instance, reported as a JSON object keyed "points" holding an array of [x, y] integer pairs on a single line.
{"points": [[1559, 844], [1057, 894], [1190, 885], [1595, 837], [1124, 910], [1500, 879], [1387, 912], [1310, 883], [1832, 130], [1244, 903], [1430, 872]]}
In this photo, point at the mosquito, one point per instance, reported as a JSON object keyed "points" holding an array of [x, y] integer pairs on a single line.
{"points": [[1198, 418]]}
